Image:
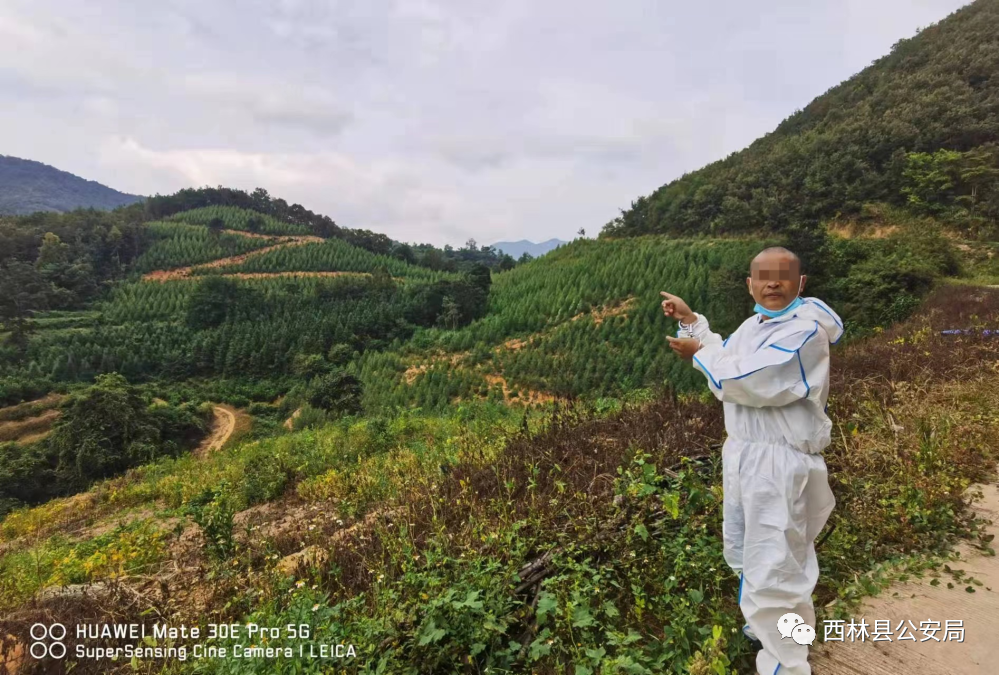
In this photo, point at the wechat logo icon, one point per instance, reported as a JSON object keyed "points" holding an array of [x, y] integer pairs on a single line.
{"points": [[793, 626]]}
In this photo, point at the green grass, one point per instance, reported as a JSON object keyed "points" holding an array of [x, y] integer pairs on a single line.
{"points": [[58, 561]]}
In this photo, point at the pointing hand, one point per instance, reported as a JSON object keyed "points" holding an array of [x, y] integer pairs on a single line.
{"points": [[676, 308]]}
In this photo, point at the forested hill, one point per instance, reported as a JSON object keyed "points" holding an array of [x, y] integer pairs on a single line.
{"points": [[919, 126], [27, 186]]}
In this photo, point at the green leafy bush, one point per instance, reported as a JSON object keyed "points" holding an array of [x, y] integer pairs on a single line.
{"points": [[212, 510]]}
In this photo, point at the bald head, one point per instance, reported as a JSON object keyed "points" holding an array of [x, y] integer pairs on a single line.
{"points": [[775, 278], [777, 254]]}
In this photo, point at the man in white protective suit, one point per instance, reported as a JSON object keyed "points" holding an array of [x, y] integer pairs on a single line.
{"points": [[772, 375]]}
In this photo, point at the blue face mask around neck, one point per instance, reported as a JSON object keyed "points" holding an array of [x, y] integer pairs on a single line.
{"points": [[774, 313]]}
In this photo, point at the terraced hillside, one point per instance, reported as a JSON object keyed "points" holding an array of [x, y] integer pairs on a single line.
{"points": [[249, 323], [588, 538]]}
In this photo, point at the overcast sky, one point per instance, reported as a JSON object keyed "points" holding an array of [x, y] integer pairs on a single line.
{"points": [[428, 120]]}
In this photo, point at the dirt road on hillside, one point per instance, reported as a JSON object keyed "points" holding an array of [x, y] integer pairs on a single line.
{"points": [[917, 602], [222, 428]]}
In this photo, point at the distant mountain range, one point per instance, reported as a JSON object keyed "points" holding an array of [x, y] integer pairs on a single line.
{"points": [[27, 186], [518, 248]]}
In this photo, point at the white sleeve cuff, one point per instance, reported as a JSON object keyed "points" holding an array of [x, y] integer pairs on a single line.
{"points": [[698, 327]]}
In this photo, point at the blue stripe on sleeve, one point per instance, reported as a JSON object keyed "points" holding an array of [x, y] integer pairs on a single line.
{"points": [[707, 372], [717, 383], [803, 378]]}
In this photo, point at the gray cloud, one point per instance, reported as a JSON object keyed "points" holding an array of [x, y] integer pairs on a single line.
{"points": [[429, 120], [283, 103]]}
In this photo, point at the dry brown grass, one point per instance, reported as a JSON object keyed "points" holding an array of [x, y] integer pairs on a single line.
{"points": [[30, 408], [33, 426], [524, 396], [570, 465], [854, 230]]}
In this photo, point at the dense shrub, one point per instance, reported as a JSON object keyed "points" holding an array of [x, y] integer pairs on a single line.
{"points": [[103, 431], [338, 393]]}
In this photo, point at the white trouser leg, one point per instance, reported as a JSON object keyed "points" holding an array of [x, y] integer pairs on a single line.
{"points": [[733, 519], [786, 500]]}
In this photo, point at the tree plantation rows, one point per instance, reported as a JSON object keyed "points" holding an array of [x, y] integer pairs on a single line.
{"points": [[259, 212], [214, 326], [585, 320], [252, 328], [295, 217], [591, 312], [587, 315], [232, 218], [54, 261], [330, 256], [181, 245]]}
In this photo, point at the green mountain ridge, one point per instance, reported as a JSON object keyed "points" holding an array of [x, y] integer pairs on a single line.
{"points": [[27, 186], [937, 91]]}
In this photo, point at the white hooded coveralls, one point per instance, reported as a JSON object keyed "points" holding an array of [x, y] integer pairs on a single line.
{"points": [[773, 378]]}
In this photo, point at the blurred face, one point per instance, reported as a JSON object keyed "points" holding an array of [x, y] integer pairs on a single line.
{"points": [[775, 280]]}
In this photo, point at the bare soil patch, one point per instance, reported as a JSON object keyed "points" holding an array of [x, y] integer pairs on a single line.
{"points": [[918, 601], [528, 396]]}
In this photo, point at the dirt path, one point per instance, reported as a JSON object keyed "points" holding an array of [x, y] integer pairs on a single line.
{"points": [[289, 423], [184, 272], [222, 428], [919, 601]]}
